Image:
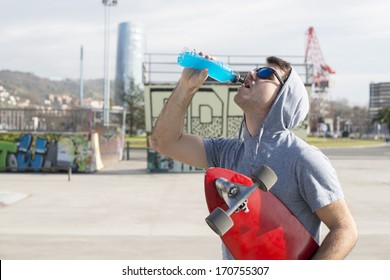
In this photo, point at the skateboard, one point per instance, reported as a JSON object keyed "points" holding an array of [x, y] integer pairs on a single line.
{"points": [[251, 221]]}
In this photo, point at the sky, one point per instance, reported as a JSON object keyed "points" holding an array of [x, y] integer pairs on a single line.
{"points": [[44, 37]]}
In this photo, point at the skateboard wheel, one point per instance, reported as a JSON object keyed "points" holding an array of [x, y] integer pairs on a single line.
{"points": [[264, 177], [219, 221]]}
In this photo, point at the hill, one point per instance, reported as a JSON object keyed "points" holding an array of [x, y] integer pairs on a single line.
{"points": [[37, 89]]}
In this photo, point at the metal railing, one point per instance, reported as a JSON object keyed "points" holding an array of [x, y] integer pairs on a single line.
{"points": [[162, 68], [55, 120]]}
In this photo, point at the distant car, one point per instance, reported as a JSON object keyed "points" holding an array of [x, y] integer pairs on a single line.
{"points": [[345, 134], [329, 135]]}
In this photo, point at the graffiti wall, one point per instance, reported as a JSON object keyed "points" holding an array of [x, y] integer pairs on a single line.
{"points": [[212, 113], [48, 152]]}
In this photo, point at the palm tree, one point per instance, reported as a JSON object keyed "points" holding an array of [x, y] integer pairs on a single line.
{"points": [[383, 117]]}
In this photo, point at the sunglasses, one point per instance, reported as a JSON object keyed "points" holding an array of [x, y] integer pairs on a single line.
{"points": [[265, 73]]}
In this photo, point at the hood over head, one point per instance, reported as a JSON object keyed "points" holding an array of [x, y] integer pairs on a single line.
{"points": [[290, 106]]}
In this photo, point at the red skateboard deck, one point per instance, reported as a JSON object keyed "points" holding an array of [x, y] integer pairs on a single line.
{"points": [[268, 231]]}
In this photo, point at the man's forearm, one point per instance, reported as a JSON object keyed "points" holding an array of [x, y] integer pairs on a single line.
{"points": [[169, 125], [337, 244]]}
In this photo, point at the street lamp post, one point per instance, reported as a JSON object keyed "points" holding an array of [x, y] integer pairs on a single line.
{"points": [[106, 99]]}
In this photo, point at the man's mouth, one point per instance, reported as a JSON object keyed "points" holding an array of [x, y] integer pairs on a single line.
{"points": [[248, 84]]}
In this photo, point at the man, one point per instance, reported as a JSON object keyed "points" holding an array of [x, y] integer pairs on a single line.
{"points": [[274, 101]]}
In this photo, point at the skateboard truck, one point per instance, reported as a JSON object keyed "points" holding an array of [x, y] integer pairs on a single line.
{"points": [[236, 197]]}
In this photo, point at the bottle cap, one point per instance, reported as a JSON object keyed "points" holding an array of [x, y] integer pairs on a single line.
{"points": [[237, 78]]}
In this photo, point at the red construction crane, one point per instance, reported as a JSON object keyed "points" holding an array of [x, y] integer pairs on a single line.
{"points": [[313, 55]]}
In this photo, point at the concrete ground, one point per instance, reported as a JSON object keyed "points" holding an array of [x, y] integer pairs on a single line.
{"points": [[122, 212]]}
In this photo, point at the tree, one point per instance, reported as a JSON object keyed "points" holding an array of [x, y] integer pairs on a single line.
{"points": [[383, 117], [360, 119], [133, 98]]}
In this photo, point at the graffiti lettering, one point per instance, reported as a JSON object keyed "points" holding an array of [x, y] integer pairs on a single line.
{"points": [[6, 149]]}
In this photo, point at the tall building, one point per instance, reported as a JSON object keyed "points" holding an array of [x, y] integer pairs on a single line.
{"points": [[379, 97], [130, 53]]}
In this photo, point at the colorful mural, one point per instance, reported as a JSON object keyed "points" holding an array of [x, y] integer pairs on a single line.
{"points": [[46, 152]]}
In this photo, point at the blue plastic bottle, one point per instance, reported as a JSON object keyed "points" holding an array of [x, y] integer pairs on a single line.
{"points": [[217, 70]]}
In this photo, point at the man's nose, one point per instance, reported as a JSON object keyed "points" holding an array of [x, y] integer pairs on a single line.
{"points": [[251, 74]]}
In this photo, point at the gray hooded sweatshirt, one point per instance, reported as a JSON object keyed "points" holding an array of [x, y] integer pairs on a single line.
{"points": [[306, 179]]}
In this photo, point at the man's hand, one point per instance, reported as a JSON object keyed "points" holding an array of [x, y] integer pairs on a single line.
{"points": [[193, 79]]}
